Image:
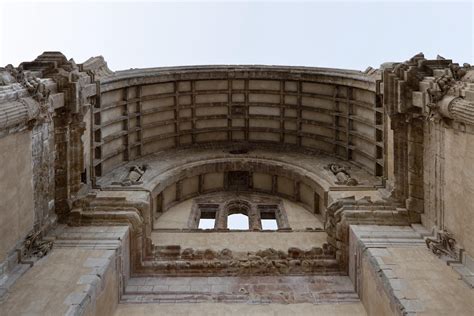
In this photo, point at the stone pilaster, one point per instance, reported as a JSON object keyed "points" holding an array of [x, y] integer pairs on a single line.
{"points": [[415, 166]]}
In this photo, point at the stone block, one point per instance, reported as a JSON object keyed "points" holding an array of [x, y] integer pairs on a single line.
{"points": [[75, 298], [415, 204], [469, 280], [418, 99], [379, 252], [412, 306], [88, 279], [439, 72], [424, 85]]}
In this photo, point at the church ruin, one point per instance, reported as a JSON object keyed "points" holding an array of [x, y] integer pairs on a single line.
{"points": [[120, 189]]}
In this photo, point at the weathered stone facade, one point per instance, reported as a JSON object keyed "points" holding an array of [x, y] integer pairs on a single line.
{"points": [[129, 162]]}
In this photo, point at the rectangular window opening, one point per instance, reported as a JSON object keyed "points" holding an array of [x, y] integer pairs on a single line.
{"points": [[268, 217], [207, 215], [206, 223], [269, 224]]}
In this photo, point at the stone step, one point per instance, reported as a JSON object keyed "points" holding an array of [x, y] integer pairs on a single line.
{"points": [[253, 290]]}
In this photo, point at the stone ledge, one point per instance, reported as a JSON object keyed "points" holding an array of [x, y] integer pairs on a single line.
{"points": [[92, 265], [396, 262], [255, 290]]}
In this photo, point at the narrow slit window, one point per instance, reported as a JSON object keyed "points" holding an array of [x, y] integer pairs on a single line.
{"points": [[238, 222]]}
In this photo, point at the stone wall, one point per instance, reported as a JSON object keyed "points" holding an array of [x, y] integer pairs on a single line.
{"points": [[43, 155], [16, 184], [41, 150], [449, 182], [429, 104], [177, 216], [261, 180]]}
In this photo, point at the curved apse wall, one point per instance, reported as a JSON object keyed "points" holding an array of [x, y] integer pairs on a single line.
{"points": [[141, 111]]}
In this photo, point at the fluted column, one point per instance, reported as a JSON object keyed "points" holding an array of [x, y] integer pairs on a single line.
{"points": [[457, 108]]}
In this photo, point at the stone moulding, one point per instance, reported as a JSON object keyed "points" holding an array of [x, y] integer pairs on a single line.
{"points": [[120, 79], [96, 67], [437, 87], [171, 260]]}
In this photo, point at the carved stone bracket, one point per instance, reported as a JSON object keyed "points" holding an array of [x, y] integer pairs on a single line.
{"points": [[35, 246], [444, 246], [342, 175], [134, 176]]}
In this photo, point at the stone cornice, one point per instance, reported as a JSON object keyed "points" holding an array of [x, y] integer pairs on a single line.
{"points": [[436, 89], [162, 74]]}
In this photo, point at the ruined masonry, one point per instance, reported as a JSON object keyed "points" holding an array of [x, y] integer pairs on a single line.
{"points": [[236, 189]]}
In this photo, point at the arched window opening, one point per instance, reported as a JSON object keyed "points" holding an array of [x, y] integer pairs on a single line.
{"points": [[238, 222], [238, 218], [241, 213]]}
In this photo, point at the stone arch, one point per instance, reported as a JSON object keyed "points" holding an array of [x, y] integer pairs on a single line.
{"points": [[307, 188]]}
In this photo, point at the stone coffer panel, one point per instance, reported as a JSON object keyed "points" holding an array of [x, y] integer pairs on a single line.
{"points": [[145, 111]]}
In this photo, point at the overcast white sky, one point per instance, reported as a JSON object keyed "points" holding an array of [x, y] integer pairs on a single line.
{"points": [[334, 34]]}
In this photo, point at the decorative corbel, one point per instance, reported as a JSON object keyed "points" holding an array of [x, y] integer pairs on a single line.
{"points": [[444, 245]]}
